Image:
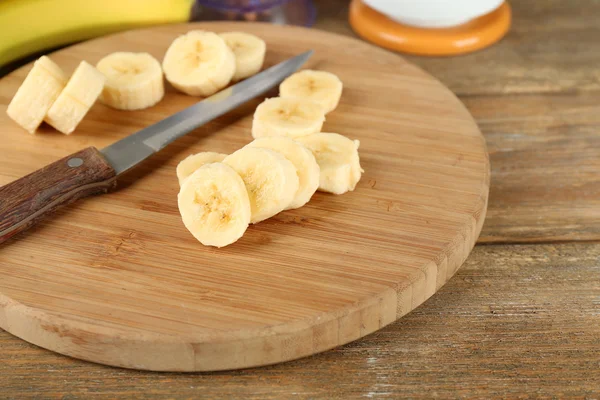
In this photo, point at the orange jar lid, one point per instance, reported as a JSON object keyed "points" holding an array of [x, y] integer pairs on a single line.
{"points": [[385, 32]]}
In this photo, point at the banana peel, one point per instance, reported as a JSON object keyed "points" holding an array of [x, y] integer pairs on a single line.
{"points": [[31, 26]]}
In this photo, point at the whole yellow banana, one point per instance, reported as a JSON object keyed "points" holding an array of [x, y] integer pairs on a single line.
{"points": [[30, 26]]}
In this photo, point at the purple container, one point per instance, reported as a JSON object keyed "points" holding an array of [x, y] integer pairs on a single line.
{"points": [[283, 12]]}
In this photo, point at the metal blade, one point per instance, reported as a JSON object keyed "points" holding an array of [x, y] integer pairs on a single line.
{"points": [[135, 148]]}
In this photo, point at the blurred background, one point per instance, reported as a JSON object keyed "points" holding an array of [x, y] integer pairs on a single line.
{"points": [[29, 28]]}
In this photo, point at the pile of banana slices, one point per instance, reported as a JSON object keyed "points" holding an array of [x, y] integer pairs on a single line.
{"points": [[199, 63], [220, 195], [288, 161]]}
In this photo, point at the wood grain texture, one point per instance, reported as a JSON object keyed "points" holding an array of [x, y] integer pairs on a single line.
{"points": [[133, 288], [552, 47], [515, 322], [530, 59], [468, 352], [539, 112], [30, 199], [545, 156]]}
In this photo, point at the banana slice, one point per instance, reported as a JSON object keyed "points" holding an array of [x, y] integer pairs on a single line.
{"points": [[214, 205], [249, 51], [134, 81], [270, 178], [287, 117], [190, 164], [199, 63], [76, 99], [321, 87], [338, 159], [36, 94], [304, 161]]}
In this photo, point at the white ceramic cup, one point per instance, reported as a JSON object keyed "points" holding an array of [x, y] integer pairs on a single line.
{"points": [[434, 13]]}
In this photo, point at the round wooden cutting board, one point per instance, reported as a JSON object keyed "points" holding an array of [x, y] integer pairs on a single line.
{"points": [[117, 279]]}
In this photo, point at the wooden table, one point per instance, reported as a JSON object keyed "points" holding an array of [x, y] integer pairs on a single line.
{"points": [[520, 319]]}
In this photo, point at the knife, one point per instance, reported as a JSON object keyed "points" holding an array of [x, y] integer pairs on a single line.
{"points": [[90, 171]]}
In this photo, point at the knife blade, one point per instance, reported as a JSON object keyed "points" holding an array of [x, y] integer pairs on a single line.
{"points": [[128, 152], [27, 200]]}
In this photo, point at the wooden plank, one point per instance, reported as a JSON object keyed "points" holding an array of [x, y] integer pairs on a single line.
{"points": [[545, 157], [552, 47], [515, 320]]}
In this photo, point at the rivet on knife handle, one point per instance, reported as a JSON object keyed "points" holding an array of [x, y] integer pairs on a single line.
{"points": [[29, 199]]}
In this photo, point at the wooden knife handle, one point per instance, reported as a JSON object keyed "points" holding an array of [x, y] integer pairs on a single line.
{"points": [[29, 199]]}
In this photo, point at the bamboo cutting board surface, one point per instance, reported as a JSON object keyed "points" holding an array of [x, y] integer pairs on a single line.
{"points": [[117, 279]]}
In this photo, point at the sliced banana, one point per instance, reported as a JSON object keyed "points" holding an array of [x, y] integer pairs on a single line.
{"points": [[338, 159], [321, 87], [37, 93], [76, 99], [190, 164], [134, 81], [270, 178], [214, 205], [249, 51], [287, 117], [304, 161], [199, 63]]}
